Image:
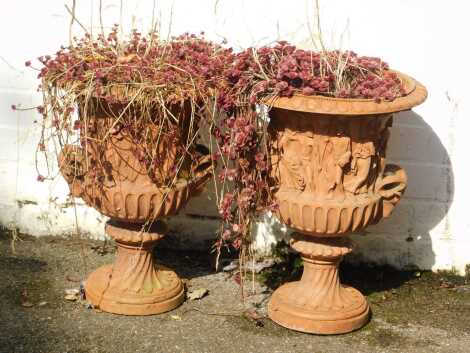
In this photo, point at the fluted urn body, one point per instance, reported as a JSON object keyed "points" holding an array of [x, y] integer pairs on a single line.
{"points": [[112, 172], [331, 179]]}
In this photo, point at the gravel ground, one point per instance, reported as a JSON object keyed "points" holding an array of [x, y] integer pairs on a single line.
{"points": [[413, 311]]}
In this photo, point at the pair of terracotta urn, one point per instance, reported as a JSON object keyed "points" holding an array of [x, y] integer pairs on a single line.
{"points": [[331, 176]]}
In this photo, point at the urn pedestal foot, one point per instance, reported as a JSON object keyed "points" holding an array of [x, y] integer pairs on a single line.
{"points": [[134, 284], [319, 303]]}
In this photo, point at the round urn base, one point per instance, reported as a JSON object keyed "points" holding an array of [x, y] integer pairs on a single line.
{"points": [[118, 300], [319, 320], [319, 303], [134, 284]]}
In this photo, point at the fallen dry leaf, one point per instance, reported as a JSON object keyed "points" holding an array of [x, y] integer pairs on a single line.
{"points": [[176, 317], [237, 278], [198, 293], [72, 291], [25, 300], [72, 294], [71, 297]]}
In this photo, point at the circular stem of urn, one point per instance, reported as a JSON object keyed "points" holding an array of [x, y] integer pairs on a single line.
{"points": [[134, 284], [319, 303]]}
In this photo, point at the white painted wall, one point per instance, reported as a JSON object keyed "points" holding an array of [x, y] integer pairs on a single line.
{"points": [[424, 38]]}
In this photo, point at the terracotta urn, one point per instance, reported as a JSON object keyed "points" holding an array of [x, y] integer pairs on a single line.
{"points": [[108, 173], [331, 179]]}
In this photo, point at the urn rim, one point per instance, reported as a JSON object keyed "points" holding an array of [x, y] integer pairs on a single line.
{"points": [[416, 94]]}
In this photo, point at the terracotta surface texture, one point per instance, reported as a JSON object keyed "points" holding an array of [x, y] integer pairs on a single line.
{"points": [[331, 171], [318, 303], [124, 189], [134, 284], [109, 175], [416, 94], [331, 179]]}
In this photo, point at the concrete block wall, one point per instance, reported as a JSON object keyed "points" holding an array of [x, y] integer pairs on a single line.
{"points": [[423, 38]]}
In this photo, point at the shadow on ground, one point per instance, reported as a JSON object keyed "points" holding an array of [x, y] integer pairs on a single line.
{"points": [[368, 279], [421, 312]]}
